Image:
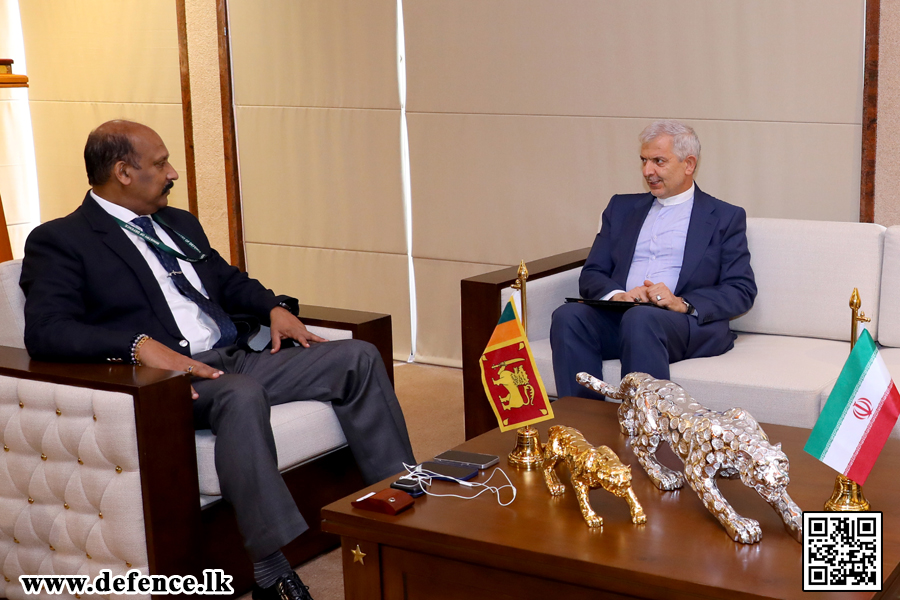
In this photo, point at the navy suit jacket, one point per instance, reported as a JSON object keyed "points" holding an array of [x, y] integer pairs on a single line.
{"points": [[715, 277], [89, 291]]}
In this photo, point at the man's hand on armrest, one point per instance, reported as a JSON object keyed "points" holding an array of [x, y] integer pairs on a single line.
{"points": [[284, 326], [155, 354]]}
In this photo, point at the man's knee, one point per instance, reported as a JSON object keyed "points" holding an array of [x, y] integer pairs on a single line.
{"points": [[571, 316], [239, 397], [365, 350], [640, 321], [646, 326], [356, 352], [356, 357]]}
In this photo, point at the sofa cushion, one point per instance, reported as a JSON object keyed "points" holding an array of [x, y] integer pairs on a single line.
{"points": [[543, 296], [806, 272], [540, 349], [303, 431], [778, 379], [891, 357], [12, 305], [543, 359]]}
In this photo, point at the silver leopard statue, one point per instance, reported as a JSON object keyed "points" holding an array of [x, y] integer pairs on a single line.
{"points": [[709, 443]]}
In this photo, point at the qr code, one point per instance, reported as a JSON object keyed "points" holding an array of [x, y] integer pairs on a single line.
{"points": [[841, 551]]}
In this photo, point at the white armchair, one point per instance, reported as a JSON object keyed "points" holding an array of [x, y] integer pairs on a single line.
{"points": [[101, 467]]}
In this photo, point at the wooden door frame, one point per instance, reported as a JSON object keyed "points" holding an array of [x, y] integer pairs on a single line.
{"points": [[869, 113], [232, 180]]}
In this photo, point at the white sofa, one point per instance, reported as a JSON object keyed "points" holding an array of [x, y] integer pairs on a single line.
{"points": [[100, 467], [791, 345]]}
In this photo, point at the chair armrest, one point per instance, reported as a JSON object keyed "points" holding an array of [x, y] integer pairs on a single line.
{"points": [[480, 311], [165, 441], [374, 328]]}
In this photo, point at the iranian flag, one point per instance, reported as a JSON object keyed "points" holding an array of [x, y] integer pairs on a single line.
{"points": [[859, 414]]}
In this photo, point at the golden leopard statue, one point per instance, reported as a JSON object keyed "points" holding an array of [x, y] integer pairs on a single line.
{"points": [[589, 468], [710, 444]]}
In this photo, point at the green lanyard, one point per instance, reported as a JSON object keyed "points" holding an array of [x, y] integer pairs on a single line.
{"points": [[158, 244]]}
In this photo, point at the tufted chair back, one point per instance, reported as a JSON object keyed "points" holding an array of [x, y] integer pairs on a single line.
{"points": [[12, 305], [70, 481], [75, 485]]}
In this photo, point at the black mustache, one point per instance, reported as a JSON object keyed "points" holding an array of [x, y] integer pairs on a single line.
{"points": [[169, 186]]}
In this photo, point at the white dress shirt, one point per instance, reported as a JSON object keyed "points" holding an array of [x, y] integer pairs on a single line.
{"points": [[195, 325]]}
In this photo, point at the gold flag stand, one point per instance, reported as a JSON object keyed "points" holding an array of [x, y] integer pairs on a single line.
{"points": [[528, 453], [848, 495], [519, 285]]}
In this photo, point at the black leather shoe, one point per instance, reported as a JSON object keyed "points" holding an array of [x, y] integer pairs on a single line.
{"points": [[288, 587]]}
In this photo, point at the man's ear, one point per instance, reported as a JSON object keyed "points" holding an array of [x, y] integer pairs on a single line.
{"points": [[690, 165], [122, 172]]}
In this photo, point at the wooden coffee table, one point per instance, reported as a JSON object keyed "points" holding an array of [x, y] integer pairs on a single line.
{"points": [[539, 546]]}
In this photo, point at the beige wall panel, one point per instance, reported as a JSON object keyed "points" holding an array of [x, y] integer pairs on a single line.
{"points": [[498, 189], [327, 53], [60, 131], [206, 113], [102, 50], [783, 170], [17, 236], [439, 337], [354, 280], [17, 182], [798, 60], [887, 162], [14, 185], [324, 178], [14, 124]]}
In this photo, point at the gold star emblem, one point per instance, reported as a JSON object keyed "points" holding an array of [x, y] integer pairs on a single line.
{"points": [[358, 555]]}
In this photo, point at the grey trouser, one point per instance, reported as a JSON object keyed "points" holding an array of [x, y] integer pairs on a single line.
{"points": [[350, 374]]}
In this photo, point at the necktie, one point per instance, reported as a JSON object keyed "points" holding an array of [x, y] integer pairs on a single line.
{"points": [[170, 264]]}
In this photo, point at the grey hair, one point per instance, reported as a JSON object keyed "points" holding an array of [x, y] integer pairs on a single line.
{"points": [[686, 143]]}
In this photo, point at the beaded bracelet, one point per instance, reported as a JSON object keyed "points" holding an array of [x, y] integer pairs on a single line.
{"points": [[136, 344]]}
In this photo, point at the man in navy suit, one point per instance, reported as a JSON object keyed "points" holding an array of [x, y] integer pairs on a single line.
{"points": [[678, 250], [127, 279]]}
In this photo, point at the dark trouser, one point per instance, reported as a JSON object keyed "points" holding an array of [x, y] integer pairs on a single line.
{"points": [[350, 374], [646, 339]]}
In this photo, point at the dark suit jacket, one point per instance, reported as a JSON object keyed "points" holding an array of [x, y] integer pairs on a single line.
{"points": [[89, 291], [716, 276]]}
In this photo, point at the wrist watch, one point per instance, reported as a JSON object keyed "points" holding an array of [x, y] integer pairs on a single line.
{"points": [[690, 307]]}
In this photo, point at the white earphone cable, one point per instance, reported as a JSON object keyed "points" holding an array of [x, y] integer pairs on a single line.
{"points": [[424, 478]]}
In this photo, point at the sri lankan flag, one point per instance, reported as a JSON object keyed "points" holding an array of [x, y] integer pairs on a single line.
{"points": [[511, 380]]}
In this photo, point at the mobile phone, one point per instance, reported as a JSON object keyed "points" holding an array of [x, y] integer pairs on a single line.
{"points": [[467, 459], [408, 485], [447, 472]]}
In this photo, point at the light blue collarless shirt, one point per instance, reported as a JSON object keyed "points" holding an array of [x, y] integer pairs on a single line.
{"points": [[659, 252]]}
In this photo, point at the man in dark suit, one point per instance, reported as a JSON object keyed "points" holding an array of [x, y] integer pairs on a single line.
{"points": [[126, 279], [677, 249]]}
